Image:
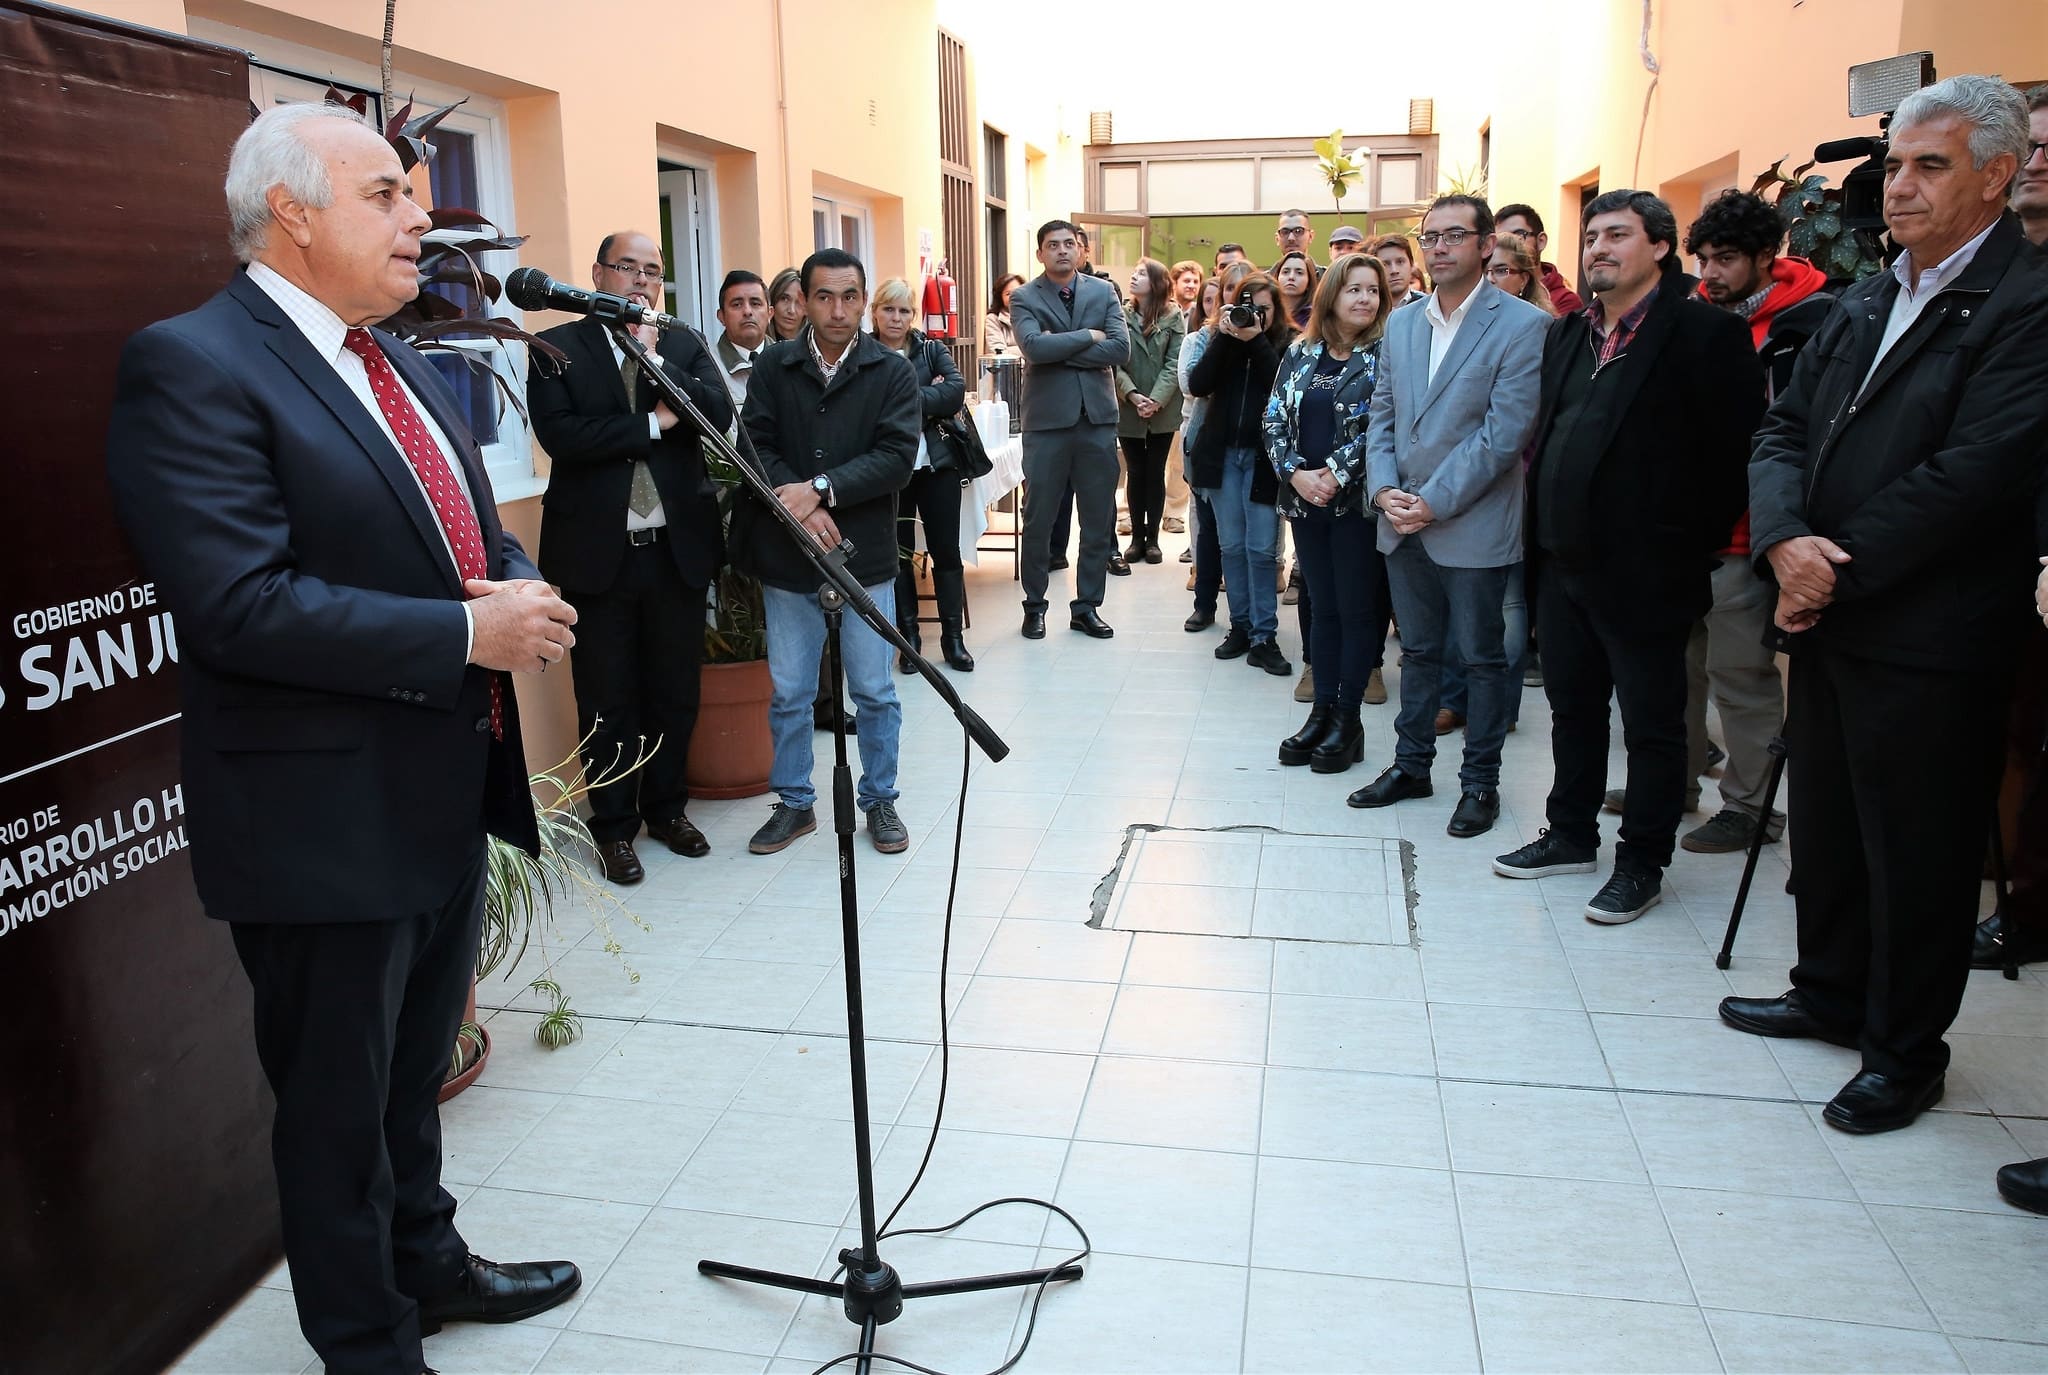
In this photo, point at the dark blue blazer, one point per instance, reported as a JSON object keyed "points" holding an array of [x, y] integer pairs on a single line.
{"points": [[338, 759]]}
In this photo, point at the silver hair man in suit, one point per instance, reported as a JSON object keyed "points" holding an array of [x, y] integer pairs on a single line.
{"points": [[1070, 329], [1456, 402]]}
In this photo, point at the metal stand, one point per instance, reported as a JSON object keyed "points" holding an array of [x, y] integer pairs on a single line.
{"points": [[872, 1292]]}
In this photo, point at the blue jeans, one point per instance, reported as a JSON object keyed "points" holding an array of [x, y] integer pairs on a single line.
{"points": [[1246, 534], [1440, 609], [1514, 615], [796, 638]]}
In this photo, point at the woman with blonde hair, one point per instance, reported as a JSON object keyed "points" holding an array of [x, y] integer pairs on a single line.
{"points": [[1315, 425], [933, 496], [1514, 269]]}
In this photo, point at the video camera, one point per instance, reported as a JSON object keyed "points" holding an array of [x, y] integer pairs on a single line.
{"points": [[1875, 88]]}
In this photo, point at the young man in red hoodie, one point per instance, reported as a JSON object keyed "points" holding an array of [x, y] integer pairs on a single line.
{"points": [[1524, 223], [1736, 239]]}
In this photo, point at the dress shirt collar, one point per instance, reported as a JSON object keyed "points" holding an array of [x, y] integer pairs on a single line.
{"points": [[1434, 306], [829, 370], [1919, 281], [323, 329]]}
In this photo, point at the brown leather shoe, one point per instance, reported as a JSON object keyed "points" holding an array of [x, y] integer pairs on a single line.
{"points": [[621, 865], [681, 836], [1448, 721]]}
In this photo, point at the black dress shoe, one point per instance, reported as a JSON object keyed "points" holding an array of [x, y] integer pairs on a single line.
{"points": [[1994, 933], [1034, 625], [2025, 1185], [1390, 787], [1477, 810], [1236, 643], [490, 1292], [1297, 748], [1873, 1102], [1118, 567], [1787, 1018], [681, 836], [621, 865], [1200, 620], [1091, 624], [1343, 746]]}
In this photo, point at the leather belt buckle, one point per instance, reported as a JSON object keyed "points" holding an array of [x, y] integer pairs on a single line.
{"points": [[640, 537]]}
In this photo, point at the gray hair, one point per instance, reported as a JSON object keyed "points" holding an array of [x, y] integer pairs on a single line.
{"points": [[1996, 112], [272, 151]]}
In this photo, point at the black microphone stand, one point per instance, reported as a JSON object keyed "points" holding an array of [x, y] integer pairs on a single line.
{"points": [[872, 1292]]}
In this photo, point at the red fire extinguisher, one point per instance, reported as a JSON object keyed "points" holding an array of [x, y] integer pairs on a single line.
{"points": [[941, 307]]}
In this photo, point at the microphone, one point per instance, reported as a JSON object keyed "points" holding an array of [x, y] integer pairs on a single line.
{"points": [[529, 288]]}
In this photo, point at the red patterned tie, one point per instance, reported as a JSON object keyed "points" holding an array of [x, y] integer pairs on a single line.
{"points": [[458, 521]]}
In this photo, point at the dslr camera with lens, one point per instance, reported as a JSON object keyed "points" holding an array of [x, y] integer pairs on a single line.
{"points": [[1244, 315]]}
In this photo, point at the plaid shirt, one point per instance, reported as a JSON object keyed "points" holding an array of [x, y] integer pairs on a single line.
{"points": [[1610, 344]]}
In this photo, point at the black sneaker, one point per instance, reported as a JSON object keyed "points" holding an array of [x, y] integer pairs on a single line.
{"points": [[1236, 643], [1549, 853], [886, 829], [1625, 896], [1266, 655], [784, 827]]}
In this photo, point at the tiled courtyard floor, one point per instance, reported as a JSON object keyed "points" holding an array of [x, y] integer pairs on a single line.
{"points": [[1323, 1103]]}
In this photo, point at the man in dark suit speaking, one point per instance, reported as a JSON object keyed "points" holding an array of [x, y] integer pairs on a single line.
{"points": [[631, 537], [305, 493]]}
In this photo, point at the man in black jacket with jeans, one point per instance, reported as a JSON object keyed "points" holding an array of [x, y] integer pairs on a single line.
{"points": [[1650, 398], [834, 418], [1892, 497]]}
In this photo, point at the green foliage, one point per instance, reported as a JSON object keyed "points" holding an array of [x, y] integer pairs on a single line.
{"points": [[737, 630], [1462, 181], [469, 1045], [1339, 168], [1814, 230], [560, 1024]]}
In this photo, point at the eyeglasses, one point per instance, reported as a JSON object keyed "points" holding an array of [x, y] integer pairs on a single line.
{"points": [[1293, 231], [1522, 233], [626, 267], [1503, 270], [2032, 149], [1454, 238]]}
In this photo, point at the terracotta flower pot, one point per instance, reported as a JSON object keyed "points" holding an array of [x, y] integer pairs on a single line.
{"points": [[456, 1083], [731, 750]]}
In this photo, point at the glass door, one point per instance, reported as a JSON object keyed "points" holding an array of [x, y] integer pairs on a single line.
{"points": [[1118, 242]]}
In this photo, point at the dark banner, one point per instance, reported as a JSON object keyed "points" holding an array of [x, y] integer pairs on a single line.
{"points": [[135, 1186]]}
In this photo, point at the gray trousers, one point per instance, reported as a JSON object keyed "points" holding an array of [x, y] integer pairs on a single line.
{"points": [[1727, 658], [1084, 455]]}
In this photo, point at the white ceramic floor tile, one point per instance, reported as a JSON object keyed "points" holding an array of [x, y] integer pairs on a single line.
{"points": [[1165, 1204], [1351, 1033], [1514, 1129], [1140, 1316], [1570, 1333], [1348, 971], [1182, 1103], [1532, 1234], [1192, 1023], [1949, 1255], [1235, 965], [1299, 1322], [1745, 1147], [1688, 1055], [1372, 1221], [1517, 1045], [1376, 1119], [1756, 1343]]}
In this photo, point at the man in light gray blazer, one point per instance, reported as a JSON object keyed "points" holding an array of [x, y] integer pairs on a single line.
{"points": [[1460, 377], [1070, 329]]}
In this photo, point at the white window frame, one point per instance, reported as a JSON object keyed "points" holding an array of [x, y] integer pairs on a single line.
{"points": [[710, 267], [509, 461], [837, 205]]}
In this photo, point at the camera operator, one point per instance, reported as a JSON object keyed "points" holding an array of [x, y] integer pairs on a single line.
{"points": [[1892, 495], [1235, 371]]}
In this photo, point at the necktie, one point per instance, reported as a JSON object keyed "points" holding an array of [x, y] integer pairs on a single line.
{"points": [[643, 498], [1067, 295], [458, 522]]}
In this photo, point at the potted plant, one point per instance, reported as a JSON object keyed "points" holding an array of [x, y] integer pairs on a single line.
{"points": [[731, 750], [1815, 227]]}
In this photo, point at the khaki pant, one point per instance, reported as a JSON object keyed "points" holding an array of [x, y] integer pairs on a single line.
{"points": [[1178, 493], [1726, 657]]}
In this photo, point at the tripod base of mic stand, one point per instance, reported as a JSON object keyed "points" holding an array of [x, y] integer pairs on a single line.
{"points": [[873, 1293]]}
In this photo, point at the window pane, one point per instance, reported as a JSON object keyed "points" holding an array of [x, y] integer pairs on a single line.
{"points": [[821, 229], [475, 393], [1120, 189], [452, 173], [850, 236], [1400, 181], [1285, 183], [995, 168], [1208, 185]]}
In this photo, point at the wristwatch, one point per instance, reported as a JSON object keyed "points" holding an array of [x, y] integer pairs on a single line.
{"points": [[822, 485]]}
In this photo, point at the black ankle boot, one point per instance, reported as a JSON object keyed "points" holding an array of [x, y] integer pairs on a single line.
{"points": [[1342, 746], [951, 588], [906, 616], [1300, 746]]}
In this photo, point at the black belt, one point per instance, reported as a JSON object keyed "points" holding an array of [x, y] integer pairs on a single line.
{"points": [[647, 536]]}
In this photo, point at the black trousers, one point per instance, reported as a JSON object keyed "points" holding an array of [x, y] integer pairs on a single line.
{"points": [[932, 500], [1145, 483], [1208, 556], [1343, 569], [639, 648], [1893, 772], [355, 1022], [1589, 655]]}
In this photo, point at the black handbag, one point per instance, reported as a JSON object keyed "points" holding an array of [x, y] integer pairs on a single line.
{"points": [[968, 456]]}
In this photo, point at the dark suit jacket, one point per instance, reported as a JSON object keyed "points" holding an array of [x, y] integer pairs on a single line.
{"points": [[1068, 375], [1672, 444], [338, 759], [581, 418], [1928, 475]]}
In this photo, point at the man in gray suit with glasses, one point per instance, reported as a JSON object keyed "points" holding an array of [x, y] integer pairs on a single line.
{"points": [[1460, 378], [1070, 329]]}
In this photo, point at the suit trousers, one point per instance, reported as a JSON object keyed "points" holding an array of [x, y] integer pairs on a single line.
{"points": [[1592, 655], [354, 1023], [1893, 773], [639, 649], [1083, 455], [1728, 659]]}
